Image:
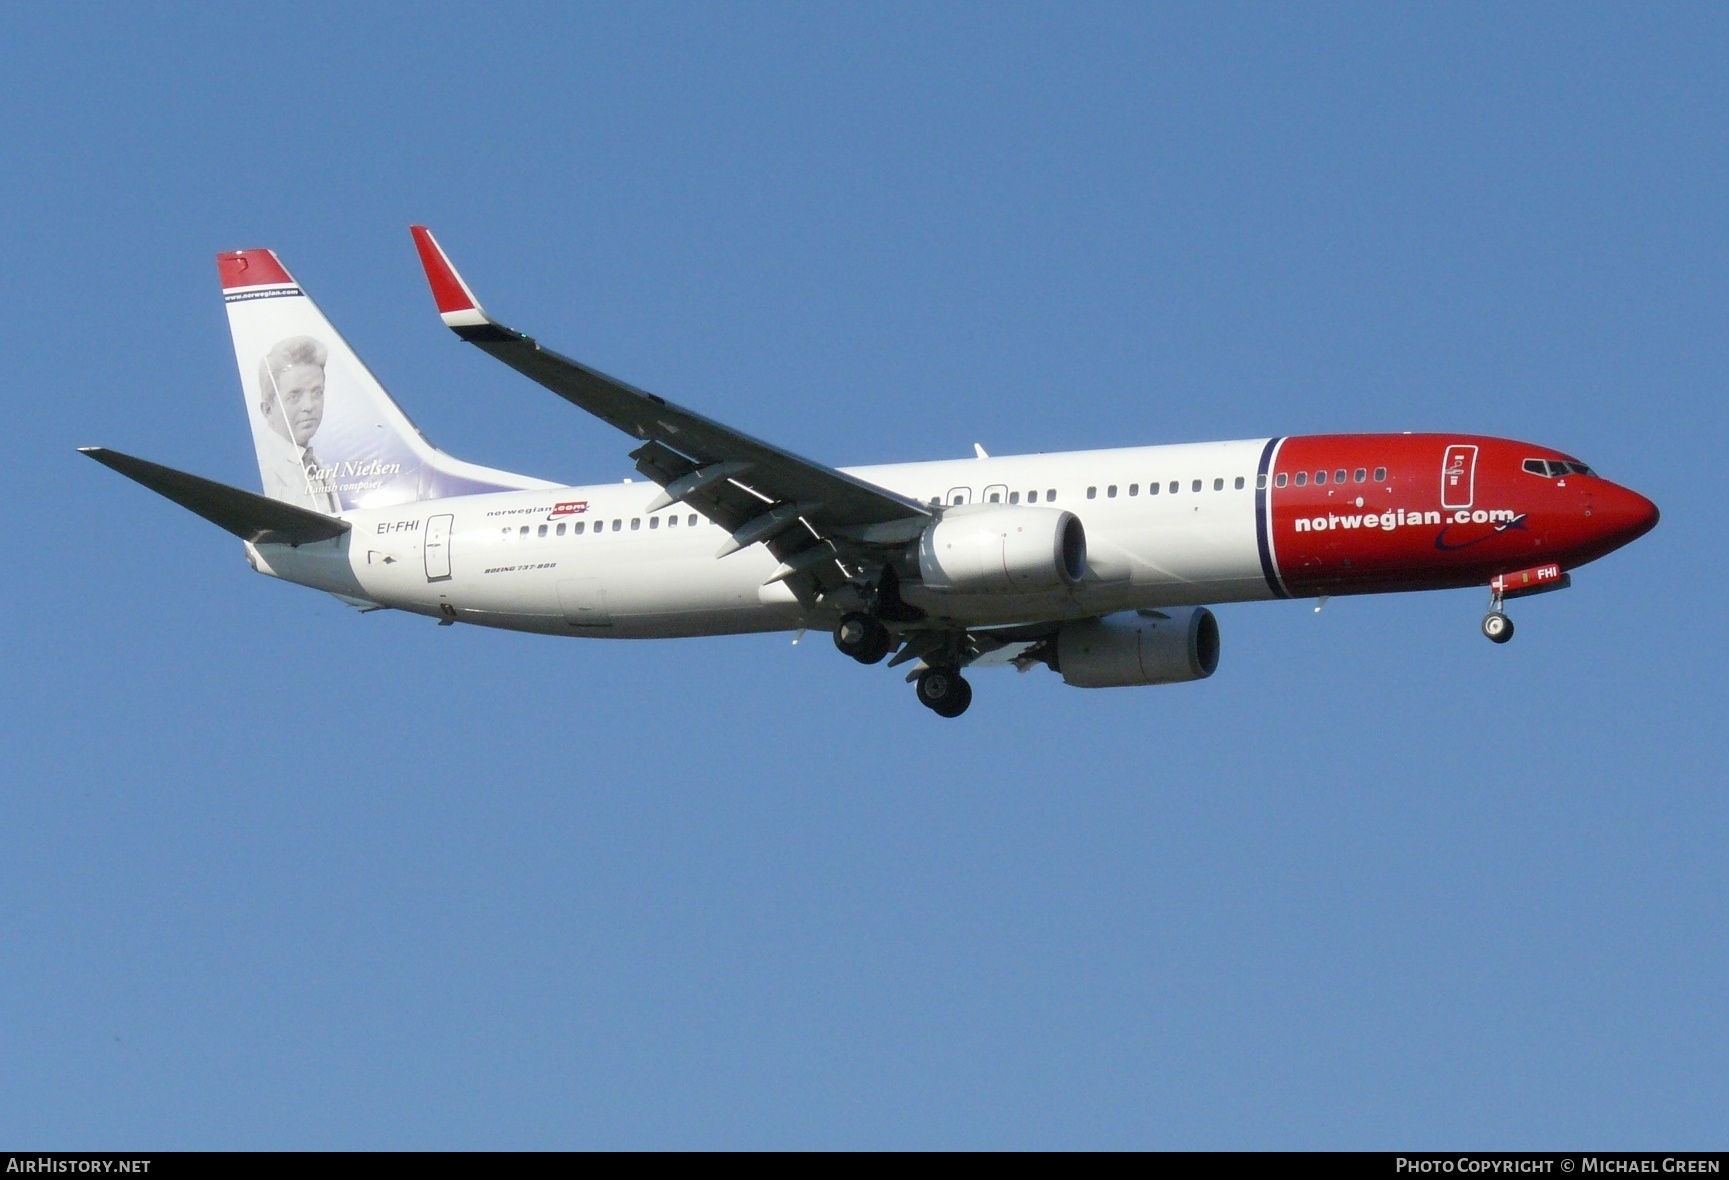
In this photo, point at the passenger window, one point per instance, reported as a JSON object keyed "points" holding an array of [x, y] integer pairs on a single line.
{"points": [[654, 522], [1239, 484], [635, 523], [1173, 487], [1134, 489], [1380, 475], [1032, 497], [1339, 475], [692, 521], [1014, 497], [617, 526], [561, 528], [1279, 480], [1359, 475], [1152, 489], [1302, 478], [1092, 493], [996, 497], [1219, 484], [1050, 494], [1195, 486], [672, 521], [542, 531], [578, 528], [1320, 477], [523, 531], [1111, 492]]}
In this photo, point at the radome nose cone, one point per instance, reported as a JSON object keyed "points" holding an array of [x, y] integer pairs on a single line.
{"points": [[1626, 515], [1649, 516]]}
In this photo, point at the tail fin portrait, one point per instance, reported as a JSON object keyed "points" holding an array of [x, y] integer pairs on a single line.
{"points": [[328, 436]]}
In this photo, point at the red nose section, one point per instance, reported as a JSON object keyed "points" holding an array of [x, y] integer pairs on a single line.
{"points": [[1622, 515]]}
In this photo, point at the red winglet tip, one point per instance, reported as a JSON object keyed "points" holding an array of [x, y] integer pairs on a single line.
{"points": [[251, 268], [448, 290]]}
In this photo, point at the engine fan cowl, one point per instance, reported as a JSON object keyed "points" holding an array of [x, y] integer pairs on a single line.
{"points": [[1003, 550], [1139, 647]]}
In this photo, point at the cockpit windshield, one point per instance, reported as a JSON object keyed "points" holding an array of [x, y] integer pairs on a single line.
{"points": [[1556, 468]]}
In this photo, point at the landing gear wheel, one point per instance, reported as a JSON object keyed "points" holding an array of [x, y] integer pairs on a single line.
{"points": [[943, 692], [862, 637], [1497, 627], [880, 646]]}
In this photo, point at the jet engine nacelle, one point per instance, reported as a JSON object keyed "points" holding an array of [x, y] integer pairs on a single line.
{"points": [[1138, 647], [1003, 550]]}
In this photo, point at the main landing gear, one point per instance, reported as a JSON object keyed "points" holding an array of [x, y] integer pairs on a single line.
{"points": [[941, 688], [944, 692], [863, 637]]}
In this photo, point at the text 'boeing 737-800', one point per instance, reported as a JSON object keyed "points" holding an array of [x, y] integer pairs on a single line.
{"points": [[1099, 564]]}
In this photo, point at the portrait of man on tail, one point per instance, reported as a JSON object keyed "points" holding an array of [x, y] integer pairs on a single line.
{"points": [[291, 400]]}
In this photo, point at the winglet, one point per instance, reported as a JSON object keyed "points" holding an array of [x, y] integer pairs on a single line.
{"points": [[457, 305]]}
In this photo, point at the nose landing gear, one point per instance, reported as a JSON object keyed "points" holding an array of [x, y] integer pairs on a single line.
{"points": [[1497, 627], [1539, 579], [944, 692]]}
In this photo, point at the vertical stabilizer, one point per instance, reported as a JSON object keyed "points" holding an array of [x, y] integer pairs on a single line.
{"points": [[328, 436]]}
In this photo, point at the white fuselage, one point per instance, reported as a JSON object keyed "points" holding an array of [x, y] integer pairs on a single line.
{"points": [[592, 561]]}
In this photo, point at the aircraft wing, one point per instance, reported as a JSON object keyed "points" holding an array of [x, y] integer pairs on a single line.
{"points": [[806, 513]]}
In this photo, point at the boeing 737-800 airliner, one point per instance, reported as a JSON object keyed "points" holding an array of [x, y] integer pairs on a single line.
{"points": [[1099, 564]]}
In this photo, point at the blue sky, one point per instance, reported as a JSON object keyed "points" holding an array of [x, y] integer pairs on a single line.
{"points": [[278, 874]]}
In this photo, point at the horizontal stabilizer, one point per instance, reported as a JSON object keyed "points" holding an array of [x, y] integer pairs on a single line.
{"points": [[247, 515]]}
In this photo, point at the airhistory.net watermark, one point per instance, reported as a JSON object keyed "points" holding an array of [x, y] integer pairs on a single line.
{"points": [[50, 1165]]}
